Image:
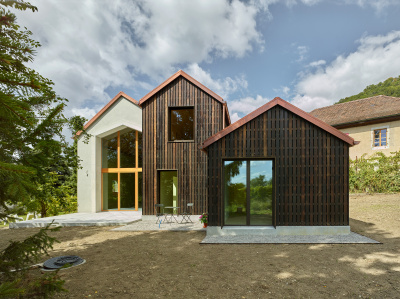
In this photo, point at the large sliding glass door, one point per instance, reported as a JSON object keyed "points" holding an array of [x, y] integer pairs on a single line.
{"points": [[248, 192], [122, 171]]}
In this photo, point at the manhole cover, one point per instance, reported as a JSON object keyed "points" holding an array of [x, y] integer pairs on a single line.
{"points": [[61, 261]]}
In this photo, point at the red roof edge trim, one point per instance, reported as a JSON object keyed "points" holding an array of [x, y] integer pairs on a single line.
{"points": [[105, 108], [286, 105], [190, 79]]}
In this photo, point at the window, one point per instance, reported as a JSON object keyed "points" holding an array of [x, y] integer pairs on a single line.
{"points": [[248, 192], [380, 138], [181, 124], [122, 171]]}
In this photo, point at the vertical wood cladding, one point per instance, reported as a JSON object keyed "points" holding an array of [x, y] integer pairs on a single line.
{"points": [[311, 168], [185, 157]]}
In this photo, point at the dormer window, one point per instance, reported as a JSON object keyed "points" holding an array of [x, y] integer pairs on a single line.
{"points": [[181, 124]]}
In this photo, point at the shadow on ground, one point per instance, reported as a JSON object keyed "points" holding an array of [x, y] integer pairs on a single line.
{"points": [[165, 264], [174, 264]]}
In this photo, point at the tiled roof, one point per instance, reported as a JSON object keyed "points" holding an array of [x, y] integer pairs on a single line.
{"points": [[359, 110], [286, 105], [104, 109]]}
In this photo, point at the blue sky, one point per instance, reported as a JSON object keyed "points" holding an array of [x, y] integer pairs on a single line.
{"points": [[309, 52]]}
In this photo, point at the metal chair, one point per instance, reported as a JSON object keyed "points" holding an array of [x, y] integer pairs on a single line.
{"points": [[187, 213], [159, 210]]}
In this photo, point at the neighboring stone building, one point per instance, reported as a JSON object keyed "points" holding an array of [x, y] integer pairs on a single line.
{"points": [[374, 122]]}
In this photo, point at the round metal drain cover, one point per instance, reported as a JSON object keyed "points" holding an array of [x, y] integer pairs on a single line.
{"points": [[60, 261]]}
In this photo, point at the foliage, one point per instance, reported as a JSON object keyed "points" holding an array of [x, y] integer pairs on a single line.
{"points": [[203, 218], [30, 113], [75, 124], [377, 174], [390, 87], [52, 198], [16, 276], [260, 193]]}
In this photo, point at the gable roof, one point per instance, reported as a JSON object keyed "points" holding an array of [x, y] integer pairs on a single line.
{"points": [[278, 101], [193, 81], [359, 110], [105, 108]]}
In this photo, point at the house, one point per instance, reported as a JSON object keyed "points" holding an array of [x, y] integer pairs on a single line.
{"points": [[374, 121], [110, 177], [178, 116], [278, 167]]}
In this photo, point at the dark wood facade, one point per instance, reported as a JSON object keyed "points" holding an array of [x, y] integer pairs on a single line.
{"points": [[311, 168], [161, 154]]}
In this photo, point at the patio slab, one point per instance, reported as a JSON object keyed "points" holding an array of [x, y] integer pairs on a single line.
{"points": [[110, 218], [150, 225], [351, 238]]}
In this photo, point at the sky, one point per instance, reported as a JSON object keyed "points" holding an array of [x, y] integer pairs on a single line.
{"points": [[311, 53]]}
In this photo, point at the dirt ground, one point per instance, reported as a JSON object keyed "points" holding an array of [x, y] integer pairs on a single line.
{"points": [[174, 265]]}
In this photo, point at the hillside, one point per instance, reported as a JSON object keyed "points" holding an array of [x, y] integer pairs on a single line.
{"points": [[390, 87]]}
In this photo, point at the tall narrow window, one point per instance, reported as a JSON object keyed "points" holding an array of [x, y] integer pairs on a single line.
{"points": [[181, 124], [380, 137], [122, 171]]}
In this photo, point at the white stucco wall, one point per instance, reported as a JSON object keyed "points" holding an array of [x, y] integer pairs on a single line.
{"points": [[122, 114]]}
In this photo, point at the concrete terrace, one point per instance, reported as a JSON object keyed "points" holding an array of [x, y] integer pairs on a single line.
{"points": [[110, 218]]}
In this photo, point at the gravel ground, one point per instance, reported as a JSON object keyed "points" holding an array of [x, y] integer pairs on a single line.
{"points": [[351, 238]]}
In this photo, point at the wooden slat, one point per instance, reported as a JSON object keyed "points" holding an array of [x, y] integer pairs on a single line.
{"points": [[311, 168], [186, 158]]}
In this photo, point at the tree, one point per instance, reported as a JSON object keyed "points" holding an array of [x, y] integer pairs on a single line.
{"points": [[30, 119], [390, 87], [75, 125], [30, 113]]}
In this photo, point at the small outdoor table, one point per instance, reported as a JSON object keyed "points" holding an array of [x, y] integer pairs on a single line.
{"points": [[173, 209]]}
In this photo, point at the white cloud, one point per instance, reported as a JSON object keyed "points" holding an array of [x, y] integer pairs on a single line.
{"points": [[246, 105], [222, 87], [89, 46], [379, 5], [317, 63], [85, 112], [285, 90], [234, 117], [375, 60], [302, 51]]}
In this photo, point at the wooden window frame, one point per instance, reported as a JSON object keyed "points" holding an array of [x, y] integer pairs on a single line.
{"points": [[136, 170], [380, 146], [170, 108]]}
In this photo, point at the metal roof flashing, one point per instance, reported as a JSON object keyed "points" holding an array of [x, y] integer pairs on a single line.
{"points": [[283, 104]]}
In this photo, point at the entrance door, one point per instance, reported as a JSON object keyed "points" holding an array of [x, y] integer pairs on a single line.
{"points": [[168, 187], [248, 192]]}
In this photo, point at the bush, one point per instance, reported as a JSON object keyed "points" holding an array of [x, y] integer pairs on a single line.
{"points": [[377, 174]]}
